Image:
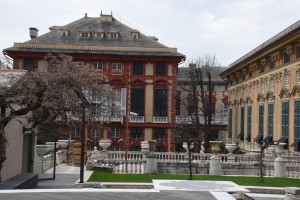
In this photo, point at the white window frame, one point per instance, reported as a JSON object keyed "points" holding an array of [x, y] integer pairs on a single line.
{"points": [[115, 133], [97, 65], [116, 66], [271, 85], [287, 81], [75, 132], [262, 88], [298, 78], [250, 91], [95, 133]]}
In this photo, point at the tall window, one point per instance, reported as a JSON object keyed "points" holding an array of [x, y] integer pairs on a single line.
{"points": [[137, 101], [116, 66], [29, 64], [160, 134], [270, 120], [115, 133], [160, 102], [95, 133], [297, 126], [285, 122], [298, 52], [242, 123], [271, 85], [287, 81], [116, 102], [298, 77], [261, 120], [98, 65], [272, 64], [262, 88], [178, 96], [249, 113], [136, 133], [286, 57], [250, 91], [75, 133], [230, 124], [161, 69], [137, 68]]}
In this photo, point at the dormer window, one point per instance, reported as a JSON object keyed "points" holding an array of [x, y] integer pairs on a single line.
{"points": [[99, 35], [113, 35], [85, 34], [135, 34], [64, 32]]}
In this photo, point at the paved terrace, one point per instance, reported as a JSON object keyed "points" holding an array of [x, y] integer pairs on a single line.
{"points": [[64, 187]]}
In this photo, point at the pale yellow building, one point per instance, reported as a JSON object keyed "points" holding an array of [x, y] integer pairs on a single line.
{"points": [[264, 92]]}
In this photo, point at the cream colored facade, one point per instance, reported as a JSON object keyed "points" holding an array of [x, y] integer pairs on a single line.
{"points": [[266, 82]]}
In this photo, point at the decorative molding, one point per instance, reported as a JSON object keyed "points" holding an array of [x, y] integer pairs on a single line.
{"points": [[138, 83], [284, 92], [93, 48], [270, 96]]}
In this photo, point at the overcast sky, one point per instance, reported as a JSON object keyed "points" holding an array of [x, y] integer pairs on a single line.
{"points": [[227, 28]]}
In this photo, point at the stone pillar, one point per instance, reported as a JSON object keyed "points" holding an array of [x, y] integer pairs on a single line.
{"points": [[292, 193], [279, 162], [151, 165], [279, 167], [151, 159], [215, 165]]}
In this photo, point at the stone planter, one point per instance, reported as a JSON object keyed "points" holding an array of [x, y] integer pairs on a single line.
{"points": [[279, 149], [230, 147], [144, 146], [185, 146], [215, 145], [104, 143]]}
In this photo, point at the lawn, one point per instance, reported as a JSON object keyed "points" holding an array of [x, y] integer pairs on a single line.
{"points": [[99, 176]]}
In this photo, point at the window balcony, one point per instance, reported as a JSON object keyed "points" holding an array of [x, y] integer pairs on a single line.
{"points": [[137, 119], [157, 119]]}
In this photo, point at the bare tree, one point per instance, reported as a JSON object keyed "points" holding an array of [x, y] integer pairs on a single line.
{"points": [[60, 87], [196, 97]]}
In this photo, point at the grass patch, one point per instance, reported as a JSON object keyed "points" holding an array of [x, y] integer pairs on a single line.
{"points": [[147, 178]]}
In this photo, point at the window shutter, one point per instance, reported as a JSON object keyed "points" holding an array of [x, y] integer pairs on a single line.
{"points": [[123, 101]]}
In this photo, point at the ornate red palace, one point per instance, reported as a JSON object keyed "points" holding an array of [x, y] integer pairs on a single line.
{"points": [[141, 70]]}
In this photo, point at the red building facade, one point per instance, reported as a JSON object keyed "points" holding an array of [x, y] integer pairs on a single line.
{"points": [[141, 71]]}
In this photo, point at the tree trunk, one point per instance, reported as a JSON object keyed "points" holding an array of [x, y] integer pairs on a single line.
{"points": [[2, 147], [82, 138]]}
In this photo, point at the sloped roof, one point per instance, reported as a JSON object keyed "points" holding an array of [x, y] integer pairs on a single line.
{"points": [[292, 29], [94, 24], [215, 73]]}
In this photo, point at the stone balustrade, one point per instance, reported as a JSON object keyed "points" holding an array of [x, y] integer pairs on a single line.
{"points": [[231, 164]]}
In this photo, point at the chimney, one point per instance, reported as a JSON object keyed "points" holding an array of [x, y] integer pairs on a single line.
{"points": [[33, 32], [106, 17]]}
